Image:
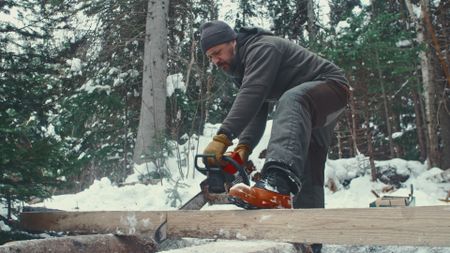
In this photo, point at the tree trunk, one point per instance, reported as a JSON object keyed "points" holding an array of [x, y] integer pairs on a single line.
{"points": [[369, 138], [435, 42], [208, 96], [444, 122], [152, 121], [348, 116], [312, 28], [354, 124], [429, 88], [419, 126], [442, 39], [339, 140], [429, 93], [385, 106], [192, 61], [127, 170]]}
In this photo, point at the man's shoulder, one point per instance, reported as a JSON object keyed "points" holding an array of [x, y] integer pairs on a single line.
{"points": [[267, 41]]}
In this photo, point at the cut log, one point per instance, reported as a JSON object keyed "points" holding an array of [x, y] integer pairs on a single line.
{"points": [[83, 243], [414, 226]]}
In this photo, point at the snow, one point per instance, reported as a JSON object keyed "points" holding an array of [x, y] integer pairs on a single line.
{"points": [[342, 25], [90, 87], [356, 10], [175, 82], [104, 195], [324, 12], [50, 132], [75, 64], [4, 227], [403, 43]]}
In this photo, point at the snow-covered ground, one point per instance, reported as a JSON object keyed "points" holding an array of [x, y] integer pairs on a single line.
{"points": [[103, 195]]}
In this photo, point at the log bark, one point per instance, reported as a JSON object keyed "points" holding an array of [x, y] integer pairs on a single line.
{"points": [[83, 243]]}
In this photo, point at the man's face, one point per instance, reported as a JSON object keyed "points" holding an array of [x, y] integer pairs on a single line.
{"points": [[222, 55]]}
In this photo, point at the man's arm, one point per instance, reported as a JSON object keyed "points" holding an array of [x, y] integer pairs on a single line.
{"points": [[255, 129], [261, 68]]}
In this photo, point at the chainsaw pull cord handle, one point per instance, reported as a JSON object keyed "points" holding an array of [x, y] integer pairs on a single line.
{"points": [[239, 167]]}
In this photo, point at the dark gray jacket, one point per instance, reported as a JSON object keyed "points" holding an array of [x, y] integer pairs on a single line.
{"points": [[265, 66]]}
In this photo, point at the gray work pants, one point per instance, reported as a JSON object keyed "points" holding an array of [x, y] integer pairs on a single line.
{"points": [[302, 130]]}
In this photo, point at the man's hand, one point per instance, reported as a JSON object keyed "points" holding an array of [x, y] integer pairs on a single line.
{"points": [[244, 151], [217, 147]]}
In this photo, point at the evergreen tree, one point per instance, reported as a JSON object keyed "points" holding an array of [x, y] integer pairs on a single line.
{"points": [[103, 85], [34, 156], [378, 67], [247, 10], [341, 10], [289, 18]]}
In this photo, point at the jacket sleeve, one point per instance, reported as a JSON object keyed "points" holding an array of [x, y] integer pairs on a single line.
{"points": [[255, 129], [261, 67]]}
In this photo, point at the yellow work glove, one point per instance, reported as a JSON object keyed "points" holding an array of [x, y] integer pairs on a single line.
{"points": [[217, 147], [244, 151]]}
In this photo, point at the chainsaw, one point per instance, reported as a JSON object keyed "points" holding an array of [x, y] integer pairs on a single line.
{"points": [[220, 177]]}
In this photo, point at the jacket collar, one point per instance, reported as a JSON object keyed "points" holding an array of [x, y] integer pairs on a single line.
{"points": [[245, 35]]}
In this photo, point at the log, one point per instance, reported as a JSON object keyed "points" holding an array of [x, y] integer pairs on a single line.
{"points": [[83, 243], [240, 247], [414, 226], [102, 222]]}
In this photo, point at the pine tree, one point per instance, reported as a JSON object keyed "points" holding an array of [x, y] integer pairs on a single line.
{"points": [[103, 84], [34, 156]]}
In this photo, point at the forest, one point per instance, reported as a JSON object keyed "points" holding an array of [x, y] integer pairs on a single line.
{"points": [[77, 77]]}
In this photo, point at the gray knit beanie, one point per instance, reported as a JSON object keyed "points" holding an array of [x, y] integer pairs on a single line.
{"points": [[214, 33]]}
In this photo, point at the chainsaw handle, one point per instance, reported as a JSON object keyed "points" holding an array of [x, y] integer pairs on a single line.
{"points": [[204, 170], [207, 167], [240, 168]]}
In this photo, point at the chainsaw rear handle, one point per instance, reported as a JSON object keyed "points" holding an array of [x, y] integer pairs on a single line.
{"points": [[206, 168], [225, 158]]}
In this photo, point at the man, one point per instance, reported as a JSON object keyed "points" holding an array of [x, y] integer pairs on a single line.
{"points": [[310, 92]]}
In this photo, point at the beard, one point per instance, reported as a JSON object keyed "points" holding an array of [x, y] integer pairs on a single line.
{"points": [[229, 67]]}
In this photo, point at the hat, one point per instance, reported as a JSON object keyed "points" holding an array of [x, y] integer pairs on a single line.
{"points": [[214, 33]]}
